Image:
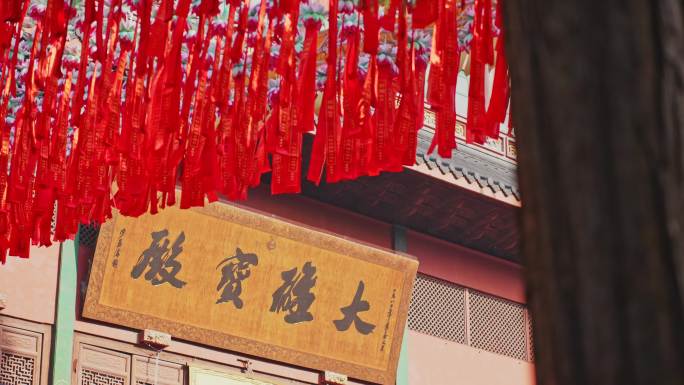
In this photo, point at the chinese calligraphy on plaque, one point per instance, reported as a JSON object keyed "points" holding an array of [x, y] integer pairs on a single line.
{"points": [[294, 296], [160, 261], [229, 278], [234, 270]]}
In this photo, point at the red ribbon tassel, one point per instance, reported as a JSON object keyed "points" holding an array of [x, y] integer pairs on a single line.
{"points": [[385, 117], [307, 77], [480, 55], [204, 123], [405, 127], [351, 95], [226, 140], [10, 10], [191, 184], [46, 183], [442, 85], [498, 102], [421, 68], [5, 224], [23, 161], [425, 13], [325, 143], [83, 64], [249, 132], [287, 157], [366, 121], [371, 27], [58, 160]]}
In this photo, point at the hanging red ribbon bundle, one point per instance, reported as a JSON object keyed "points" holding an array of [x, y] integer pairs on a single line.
{"points": [[443, 77], [287, 155], [351, 93], [482, 54], [406, 129], [122, 122], [498, 102], [326, 141]]}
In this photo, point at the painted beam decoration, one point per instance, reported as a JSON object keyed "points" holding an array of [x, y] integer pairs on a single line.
{"points": [[230, 278], [110, 103]]}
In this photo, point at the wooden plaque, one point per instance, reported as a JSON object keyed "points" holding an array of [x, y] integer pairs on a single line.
{"points": [[227, 277]]}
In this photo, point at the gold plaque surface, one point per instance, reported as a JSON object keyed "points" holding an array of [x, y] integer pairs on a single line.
{"points": [[231, 278]]}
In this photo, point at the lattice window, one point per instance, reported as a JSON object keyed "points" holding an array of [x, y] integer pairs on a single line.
{"points": [[87, 235], [16, 369], [497, 325], [92, 377], [438, 309]]}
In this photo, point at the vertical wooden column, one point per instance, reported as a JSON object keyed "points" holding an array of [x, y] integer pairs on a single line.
{"points": [[598, 106], [63, 336], [400, 243]]}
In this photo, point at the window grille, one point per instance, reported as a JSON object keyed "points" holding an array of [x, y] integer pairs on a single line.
{"points": [[497, 325], [438, 309], [16, 369], [454, 313], [87, 235], [92, 377]]}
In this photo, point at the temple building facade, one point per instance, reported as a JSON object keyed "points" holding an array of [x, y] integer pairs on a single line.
{"points": [[465, 322]]}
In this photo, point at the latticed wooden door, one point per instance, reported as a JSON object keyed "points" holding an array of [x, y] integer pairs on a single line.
{"points": [[20, 356], [101, 366]]}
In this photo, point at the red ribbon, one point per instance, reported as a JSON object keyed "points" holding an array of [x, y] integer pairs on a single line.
{"points": [[425, 13], [351, 95], [481, 54], [442, 85], [498, 102], [215, 130], [306, 87], [326, 141]]}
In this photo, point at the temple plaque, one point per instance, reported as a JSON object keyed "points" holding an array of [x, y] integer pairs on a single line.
{"points": [[231, 278]]}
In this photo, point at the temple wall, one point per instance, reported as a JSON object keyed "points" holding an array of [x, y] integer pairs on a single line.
{"points": [[30, 285], [31, 288]]}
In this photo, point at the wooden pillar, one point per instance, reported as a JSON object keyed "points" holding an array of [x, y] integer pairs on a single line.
{"points": [[63, 336], [598, 107]]}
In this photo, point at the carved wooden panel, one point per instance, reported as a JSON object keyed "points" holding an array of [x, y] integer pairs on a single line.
{"points": [[100, 363], [20, 356], [92, 377], [149, 370], [16, 369], [511, 150], [200, 376], [98, 366]]}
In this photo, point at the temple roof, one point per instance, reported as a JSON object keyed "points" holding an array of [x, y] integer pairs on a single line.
{"points": [[489, 169], [471, 199]]}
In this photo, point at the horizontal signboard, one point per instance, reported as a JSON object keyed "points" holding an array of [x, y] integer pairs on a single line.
{"points": [[231, 278]]}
